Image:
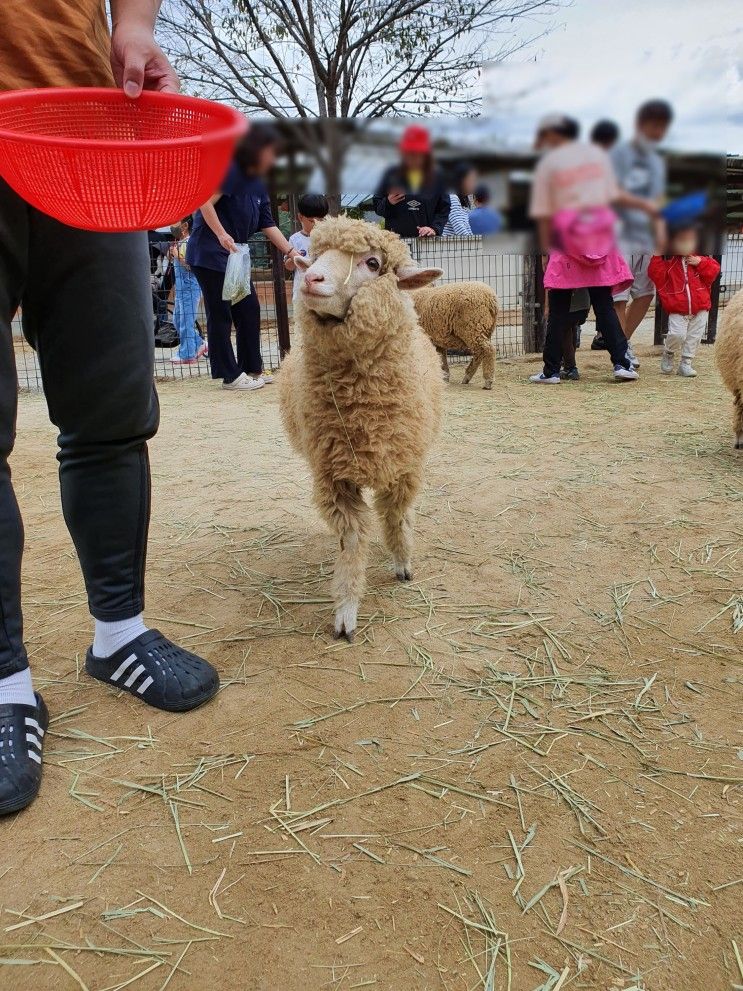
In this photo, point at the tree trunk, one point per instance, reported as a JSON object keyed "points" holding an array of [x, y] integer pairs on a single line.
{"points": [[333, 187], [332, 157]]}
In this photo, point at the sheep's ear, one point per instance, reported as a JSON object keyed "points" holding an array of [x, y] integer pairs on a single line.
{"points": [[301, 262], [411, 277]]}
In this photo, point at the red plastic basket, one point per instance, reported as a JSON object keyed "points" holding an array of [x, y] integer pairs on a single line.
{"points": [[93, 158]]}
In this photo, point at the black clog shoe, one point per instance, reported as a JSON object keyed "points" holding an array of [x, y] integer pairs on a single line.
{"points": [[157, 671], [22, 729]]}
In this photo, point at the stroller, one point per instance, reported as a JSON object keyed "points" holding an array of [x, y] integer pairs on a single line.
{"points": [[161, 280]]}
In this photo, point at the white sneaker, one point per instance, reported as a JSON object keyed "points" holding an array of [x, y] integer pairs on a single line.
{"points": [[666, 363], [622, 374], [685, 369], [543, 379], [267, 378], [244, 383], [632, 357]]}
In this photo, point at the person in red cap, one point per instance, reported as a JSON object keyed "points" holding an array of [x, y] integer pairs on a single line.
{"points": [[411, 196]]}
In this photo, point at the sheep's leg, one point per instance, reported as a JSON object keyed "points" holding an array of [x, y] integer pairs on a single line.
{"points": [[395, 508], [444, 363], [472, 367], [343, 507], [738, 420], [488, 365]]}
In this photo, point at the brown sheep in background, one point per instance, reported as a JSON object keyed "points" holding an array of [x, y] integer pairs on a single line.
{"points": [[461, 316], [361, 395], [729, 358]]}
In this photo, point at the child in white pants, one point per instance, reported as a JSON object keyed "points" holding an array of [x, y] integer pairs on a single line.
{"points": [[685, 333], [683, 281]]}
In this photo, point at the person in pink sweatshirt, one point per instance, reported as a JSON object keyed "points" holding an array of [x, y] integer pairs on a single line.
{"points": [[573, 190]]}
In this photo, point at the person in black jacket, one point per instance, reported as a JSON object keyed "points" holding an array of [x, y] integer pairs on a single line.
{"points": [[412, 196]]}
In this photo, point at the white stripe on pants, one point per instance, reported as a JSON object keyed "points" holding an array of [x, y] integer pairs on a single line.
{"points": [[685, 332]]}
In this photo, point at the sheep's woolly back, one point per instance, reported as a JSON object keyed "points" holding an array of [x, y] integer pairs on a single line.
{"points": [[457, 313], [357, 237], [729, 345]]}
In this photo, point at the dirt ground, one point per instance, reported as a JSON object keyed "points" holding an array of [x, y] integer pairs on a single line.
{"points": [[525, 774]]}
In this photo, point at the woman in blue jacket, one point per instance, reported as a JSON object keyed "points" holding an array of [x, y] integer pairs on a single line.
{"points": [[236, 212]]}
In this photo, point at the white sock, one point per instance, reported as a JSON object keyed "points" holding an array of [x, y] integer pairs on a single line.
{"points": [[17, 688], [110, 637]]}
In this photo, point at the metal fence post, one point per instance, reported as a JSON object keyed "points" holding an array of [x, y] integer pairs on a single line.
{"points": [[540, 330], [532, 303], [714, 310], [279, 297], [661, 323], [529, 304]]}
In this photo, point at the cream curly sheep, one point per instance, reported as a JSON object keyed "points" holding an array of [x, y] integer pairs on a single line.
{"points": [[461, 315], [361, 395], [729, 357]]}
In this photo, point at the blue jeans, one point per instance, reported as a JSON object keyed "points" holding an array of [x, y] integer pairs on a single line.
{"points": [[187, 294]]}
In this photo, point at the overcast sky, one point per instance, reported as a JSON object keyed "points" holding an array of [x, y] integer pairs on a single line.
{"points": [[604, 57]]}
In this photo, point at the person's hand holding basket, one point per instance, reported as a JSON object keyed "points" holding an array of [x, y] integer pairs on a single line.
{"points": [[137, 60]]}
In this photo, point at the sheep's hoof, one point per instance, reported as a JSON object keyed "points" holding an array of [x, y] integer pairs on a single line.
{"points": [[488, 384], [465, 381], [345, 621], [739, 445], [445, 376], [403, 572]]}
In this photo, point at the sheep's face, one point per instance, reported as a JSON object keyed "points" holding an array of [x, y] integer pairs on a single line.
{"points": [[333, 278]]}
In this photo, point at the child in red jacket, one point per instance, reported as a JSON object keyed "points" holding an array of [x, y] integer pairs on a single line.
{"points": [[683, 282]]}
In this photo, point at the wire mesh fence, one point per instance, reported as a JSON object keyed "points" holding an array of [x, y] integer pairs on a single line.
{"points": [[179, 321], [731, 277]]}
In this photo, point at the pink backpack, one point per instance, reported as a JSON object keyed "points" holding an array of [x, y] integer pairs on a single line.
{"points": [[587, 235]]}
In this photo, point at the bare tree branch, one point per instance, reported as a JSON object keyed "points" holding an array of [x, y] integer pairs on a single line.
{"points": [[330, 59], [343, 57]]}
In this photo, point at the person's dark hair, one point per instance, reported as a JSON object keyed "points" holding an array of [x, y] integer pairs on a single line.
{"points": [[313, 205], [188, 221], [605, 133], [566, 127], [655, 110], [482, 193], [248, 150], [458, 174], [684, 227]]}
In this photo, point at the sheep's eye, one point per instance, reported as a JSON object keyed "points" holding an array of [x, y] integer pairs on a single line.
{"points": [[372, 264]]}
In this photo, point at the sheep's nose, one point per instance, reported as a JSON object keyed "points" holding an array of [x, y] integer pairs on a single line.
{"points": [[314, 277]]}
